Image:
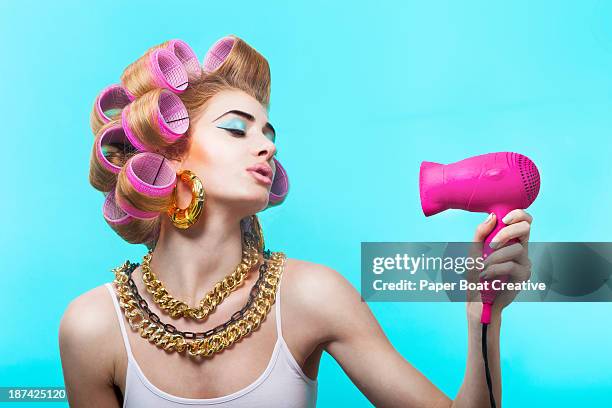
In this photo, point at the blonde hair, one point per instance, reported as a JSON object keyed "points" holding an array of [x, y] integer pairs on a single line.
{"points": [[243, 69]]}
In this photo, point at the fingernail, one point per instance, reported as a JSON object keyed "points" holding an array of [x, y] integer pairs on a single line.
{"points": [[489, 218], [482, 274], [507, 219]]}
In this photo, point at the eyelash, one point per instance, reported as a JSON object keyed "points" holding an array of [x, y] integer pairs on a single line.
{"points": [[237, 132]]}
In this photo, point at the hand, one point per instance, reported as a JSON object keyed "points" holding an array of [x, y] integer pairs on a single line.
{"points": [[511, 260]]}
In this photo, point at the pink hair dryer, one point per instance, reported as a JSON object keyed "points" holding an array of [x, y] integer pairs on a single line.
{"points": [[490, 183]]}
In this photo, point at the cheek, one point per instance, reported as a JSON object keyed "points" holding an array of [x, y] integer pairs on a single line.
{"points": [[204, 150], [207, 146], [197, 153], [216, 158]]}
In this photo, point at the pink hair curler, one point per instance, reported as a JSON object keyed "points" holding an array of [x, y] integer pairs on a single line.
{"points": [[125, 124], [113, 134], [166, 71], [187, 56], [171, 117], [111, 99], [114, 214], [493, 182], [151, 174], [121, 221], [217, 53], [133, 211], [280, 185]]}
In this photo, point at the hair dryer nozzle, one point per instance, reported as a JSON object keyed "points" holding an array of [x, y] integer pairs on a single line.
{"points": [[431, 177]]}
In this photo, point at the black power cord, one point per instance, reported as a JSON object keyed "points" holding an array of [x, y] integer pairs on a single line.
{"points": [[486, 362]]}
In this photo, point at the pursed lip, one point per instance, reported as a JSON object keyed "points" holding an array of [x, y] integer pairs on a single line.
{"points": [[261, 172]]}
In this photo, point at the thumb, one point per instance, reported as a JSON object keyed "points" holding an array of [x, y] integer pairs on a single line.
{"points": [[485, 228]]}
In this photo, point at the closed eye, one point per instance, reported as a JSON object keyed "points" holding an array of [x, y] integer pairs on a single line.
{"points": [[238, 132], [234, 126]]}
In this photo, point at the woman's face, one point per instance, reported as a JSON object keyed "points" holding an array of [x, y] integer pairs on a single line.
{"points": [[230, 136]]}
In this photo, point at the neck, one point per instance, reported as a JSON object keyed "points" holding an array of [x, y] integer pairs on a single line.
{"points": [[190, 262]]}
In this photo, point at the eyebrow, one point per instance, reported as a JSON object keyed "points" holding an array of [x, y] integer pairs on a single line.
{"points": [[249, 117]]}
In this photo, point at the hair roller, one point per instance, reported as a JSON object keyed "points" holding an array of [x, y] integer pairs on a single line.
{"points": [[218, 53], [133, 230], [187, 56], [145, 185], [156, 119], [240, 65], [110, 152], [113, 214], [280, 185], [108, 105], [158, 68]]}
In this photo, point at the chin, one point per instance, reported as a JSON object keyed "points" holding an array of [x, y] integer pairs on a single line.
{"points": [[257, 200], [263, 201]]}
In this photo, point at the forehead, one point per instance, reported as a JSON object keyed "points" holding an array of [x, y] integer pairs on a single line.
{"points": [[234, 99]]}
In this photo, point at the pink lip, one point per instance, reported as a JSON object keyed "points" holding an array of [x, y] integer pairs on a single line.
{"points": [[260, 177], [262, 172]]}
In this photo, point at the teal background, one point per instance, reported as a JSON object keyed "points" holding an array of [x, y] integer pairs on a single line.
{"points": [[362, 92]]}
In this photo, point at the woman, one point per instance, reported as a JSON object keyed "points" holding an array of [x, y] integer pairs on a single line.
{"points": [[229, 149]]}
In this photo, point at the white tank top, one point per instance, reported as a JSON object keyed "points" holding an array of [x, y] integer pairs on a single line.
{"points": [[282, 384]]}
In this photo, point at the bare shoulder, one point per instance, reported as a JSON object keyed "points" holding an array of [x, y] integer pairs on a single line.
{"points": [[88, 316], [84, 334], [319, 294], [306, 279]]}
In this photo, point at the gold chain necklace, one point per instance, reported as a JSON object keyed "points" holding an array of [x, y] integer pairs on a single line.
{"points": [[247, 321], [178, 308]]}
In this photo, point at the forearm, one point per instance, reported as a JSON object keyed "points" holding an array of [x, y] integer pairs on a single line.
{"points": [[474, 392]]}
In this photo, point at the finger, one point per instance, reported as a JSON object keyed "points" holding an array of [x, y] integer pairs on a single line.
{"points": [[515, 216], [519, 231], [482, 231], [484, 228], [523, 259], [527, 272], [511, 252], [475, 269], [520, 273], [516, 272], [497, 270]]}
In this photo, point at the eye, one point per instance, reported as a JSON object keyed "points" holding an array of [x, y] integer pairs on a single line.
{"points": [[234, 126], [237, 132]]}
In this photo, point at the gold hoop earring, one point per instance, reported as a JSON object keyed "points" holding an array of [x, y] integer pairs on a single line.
{"points": [[184, 218]]}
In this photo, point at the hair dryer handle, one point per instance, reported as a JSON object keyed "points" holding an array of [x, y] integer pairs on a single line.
{"points": [[488, 296]]}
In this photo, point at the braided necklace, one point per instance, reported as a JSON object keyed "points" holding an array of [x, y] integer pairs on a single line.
{"points": [[206, 344], [177, 308]]}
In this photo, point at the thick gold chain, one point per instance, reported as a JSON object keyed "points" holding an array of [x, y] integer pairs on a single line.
{"points": [[206, 347], [178, 308]]}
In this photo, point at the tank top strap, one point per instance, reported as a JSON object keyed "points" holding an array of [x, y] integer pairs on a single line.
{"points": [[277, 305], [120, 317]]}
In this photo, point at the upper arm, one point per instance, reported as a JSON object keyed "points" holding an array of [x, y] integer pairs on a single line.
{"points": [[357, 342], [86, 355]]}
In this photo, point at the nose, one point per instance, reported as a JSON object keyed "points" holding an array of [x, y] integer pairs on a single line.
{"points": [[266, 149]]}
